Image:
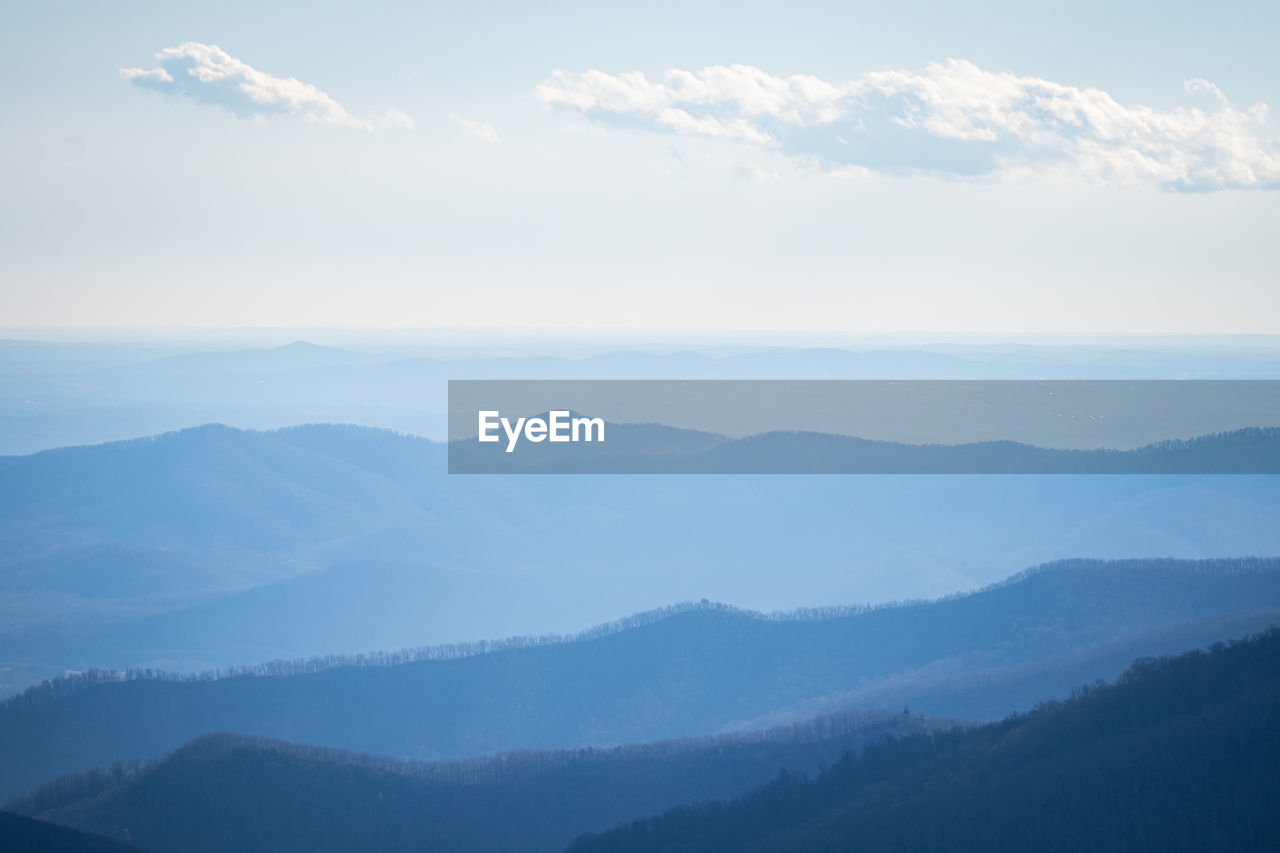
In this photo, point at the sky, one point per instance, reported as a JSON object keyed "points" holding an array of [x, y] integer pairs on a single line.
{"points": [[1078, 167]]}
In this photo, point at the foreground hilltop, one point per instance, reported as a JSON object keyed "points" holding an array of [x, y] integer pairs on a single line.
{"points": [[289, 798]]}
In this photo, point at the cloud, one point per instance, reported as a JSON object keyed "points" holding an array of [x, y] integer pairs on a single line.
{"points": [[143, 75], [754, 172], [208, 74], [952, 118], [479, 129]]}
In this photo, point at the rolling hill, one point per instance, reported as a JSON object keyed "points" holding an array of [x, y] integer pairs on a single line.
{"points": [[680, 672]]}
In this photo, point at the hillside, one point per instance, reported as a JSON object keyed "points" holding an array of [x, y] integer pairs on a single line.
{"points": [[991, 692], [1181, 753], [20, 834], [295, 798], [670, 674]]}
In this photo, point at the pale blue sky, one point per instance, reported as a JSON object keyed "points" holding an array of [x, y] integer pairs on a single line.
{"points": [[507, 205]]}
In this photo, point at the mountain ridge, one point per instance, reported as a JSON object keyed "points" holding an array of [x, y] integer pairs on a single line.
{"points": [[682, 674], [1244, 565]]}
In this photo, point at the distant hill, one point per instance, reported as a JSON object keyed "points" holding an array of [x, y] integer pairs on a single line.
{"points": [[669, 674], [216, 547], [20, 834], [296, 356], [57, 394], [1181, 754], [288, 798]]}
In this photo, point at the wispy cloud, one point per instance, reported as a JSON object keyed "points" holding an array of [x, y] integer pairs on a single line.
{"points": [[479, 129], [952, 118], [208, 74]]}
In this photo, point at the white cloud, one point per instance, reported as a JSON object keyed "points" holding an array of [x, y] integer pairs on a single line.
{"points": [[479, 129], [754, 172], [155, 75], [209, 74], [951, 118]]}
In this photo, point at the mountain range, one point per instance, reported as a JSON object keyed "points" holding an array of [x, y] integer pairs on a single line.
{"points": [[214, 547], [55, 394], [1179, 753]]}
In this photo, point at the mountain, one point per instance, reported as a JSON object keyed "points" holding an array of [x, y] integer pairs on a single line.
{"points": [[20, 834], [213, 547], [668, 674], [1181, 753], [296, 798]]}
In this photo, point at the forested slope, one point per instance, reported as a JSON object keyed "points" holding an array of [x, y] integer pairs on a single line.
{"points": [[1182, 753], [20, 834], [232, 793]]}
